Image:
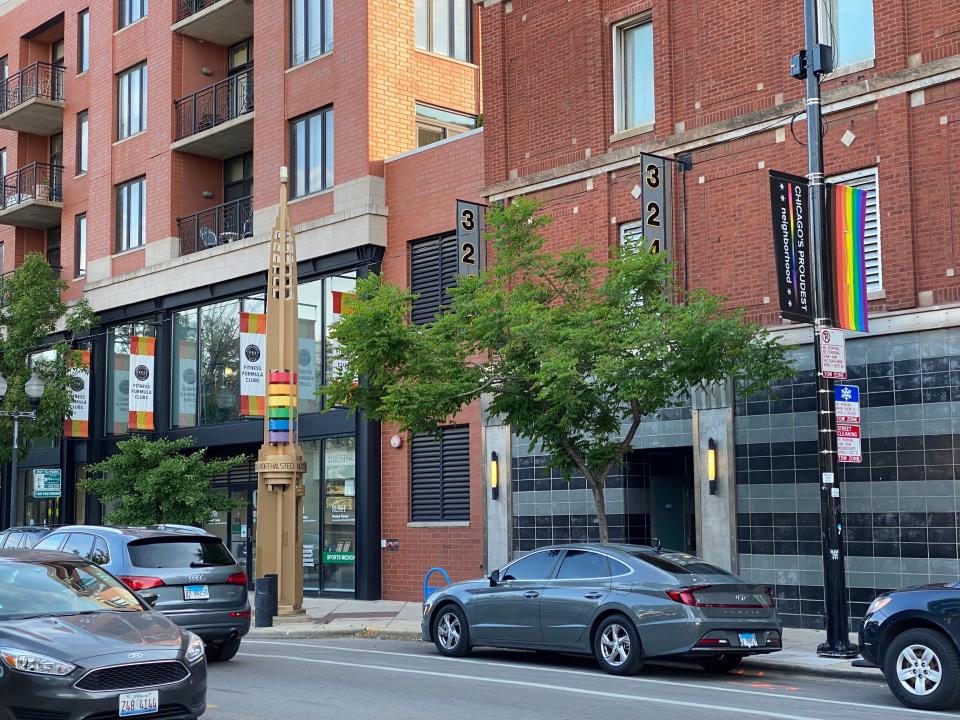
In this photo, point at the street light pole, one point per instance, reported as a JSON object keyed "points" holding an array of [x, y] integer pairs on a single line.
{"points": [[34, 390], [834, 576]]}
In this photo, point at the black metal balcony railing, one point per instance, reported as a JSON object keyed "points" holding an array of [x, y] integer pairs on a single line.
{"points": [[186, 8], [38, 80], [216, 226], [207, 108], [37, 181]]}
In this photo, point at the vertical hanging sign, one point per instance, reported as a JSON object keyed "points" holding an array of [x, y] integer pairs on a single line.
{"points": [[657, 200], [142, 353], [791, 246], [78, 424], [470, 249], [846, 220], [187, 383], [307, 367], [253, 363]]}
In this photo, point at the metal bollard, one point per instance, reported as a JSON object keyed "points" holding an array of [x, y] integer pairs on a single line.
{"points": [[274, 591], [263, 602]]}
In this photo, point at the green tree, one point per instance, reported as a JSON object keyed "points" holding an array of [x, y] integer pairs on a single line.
{"points": [[157, 481], [572, 350], [31, 309]]}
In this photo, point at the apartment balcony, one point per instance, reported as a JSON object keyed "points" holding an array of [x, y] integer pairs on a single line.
{"points": [[31, 101], [32, 196], [217, 121], [216, 226], [224, 22]]}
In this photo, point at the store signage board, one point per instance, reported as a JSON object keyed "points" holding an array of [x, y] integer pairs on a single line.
{"points": [[833, 356], [846, 401], [46, 482]]}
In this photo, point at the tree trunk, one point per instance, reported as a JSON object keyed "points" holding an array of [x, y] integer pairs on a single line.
{"points": [[596, 485]]}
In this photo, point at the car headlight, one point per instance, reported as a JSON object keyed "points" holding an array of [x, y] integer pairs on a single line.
{"points": [[878, 604], [195, 649], [31, 662]]}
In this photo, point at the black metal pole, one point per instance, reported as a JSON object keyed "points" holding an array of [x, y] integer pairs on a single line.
{"points": [[834, 578], [12, 490]]}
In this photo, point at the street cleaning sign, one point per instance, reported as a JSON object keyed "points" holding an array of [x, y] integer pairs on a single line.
{"points": [[46, 483], [848, 443], [846, 403]]}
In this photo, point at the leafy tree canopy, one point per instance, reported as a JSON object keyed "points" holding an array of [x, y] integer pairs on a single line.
{"points": [[571, 349], [30, 310], [158, 481]]}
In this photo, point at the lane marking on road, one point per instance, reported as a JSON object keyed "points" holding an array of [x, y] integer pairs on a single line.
{"points": [[598, 675], [540, 686]]}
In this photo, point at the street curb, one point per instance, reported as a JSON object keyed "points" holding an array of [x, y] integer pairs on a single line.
{"points": [[813, 671]]}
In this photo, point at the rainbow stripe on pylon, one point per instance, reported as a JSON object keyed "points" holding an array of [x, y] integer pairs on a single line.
{"points": [[282, 407]]}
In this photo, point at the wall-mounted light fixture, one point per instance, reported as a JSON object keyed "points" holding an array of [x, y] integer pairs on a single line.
{"points": [[206, 71], [712, 466], [206, 194], [494, 471], [396, 441]]}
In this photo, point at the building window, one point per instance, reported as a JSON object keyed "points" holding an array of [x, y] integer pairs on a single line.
{"points": [[867, 180], [847, 27], [434, 124], [131, 11], [118, 374], [311, 29], [82, 142], [3, 162], [633, 74], [433, 271], [80, 246], [311, 152], [83, 41], [131, 214], [445, 27], [53, 250], [440, 476], [132, 101]]}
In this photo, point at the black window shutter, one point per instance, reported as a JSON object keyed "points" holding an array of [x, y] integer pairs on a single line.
{"points": [[433, 269], [440, 476]]}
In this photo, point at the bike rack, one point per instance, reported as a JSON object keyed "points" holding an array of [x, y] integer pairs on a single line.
{"points": [[429, 589]]}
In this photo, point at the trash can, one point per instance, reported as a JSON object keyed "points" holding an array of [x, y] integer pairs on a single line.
{"points": [[264, 601], [274, 591]]}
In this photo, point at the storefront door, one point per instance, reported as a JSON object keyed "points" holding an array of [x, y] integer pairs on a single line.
{"points": [[339, 515], [243, 529]]}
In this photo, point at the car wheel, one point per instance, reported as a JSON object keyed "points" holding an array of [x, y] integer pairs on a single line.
{"points": [[721, 663], [922, 668], [450, 632], [222, 652], [616, 645]]}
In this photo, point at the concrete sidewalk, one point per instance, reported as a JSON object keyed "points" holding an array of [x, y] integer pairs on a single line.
{"points": [[398, 620]]}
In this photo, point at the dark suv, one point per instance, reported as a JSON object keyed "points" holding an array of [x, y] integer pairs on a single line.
{"points": [[185, 572]]}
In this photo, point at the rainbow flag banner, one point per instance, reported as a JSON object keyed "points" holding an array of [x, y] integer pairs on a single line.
{"points": [[253, 363], [846, 219], [78, 424], [142, 353]]}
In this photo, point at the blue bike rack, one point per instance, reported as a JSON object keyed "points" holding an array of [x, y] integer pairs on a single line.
{"points": [[429, 589]]}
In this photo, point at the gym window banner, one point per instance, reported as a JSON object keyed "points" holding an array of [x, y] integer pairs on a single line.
{"points": [[307, 367], [253, 363], [791, 245], [78, 424], [142, 354], [187, 385]]}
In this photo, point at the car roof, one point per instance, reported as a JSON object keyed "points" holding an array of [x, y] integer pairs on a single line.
{"points": [[33, 528], [621, 547], [139, 533]]}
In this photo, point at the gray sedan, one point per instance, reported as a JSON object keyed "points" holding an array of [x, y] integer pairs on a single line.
{"points": [[622, 603]]}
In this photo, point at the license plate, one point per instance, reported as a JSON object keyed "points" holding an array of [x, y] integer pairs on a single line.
{"points": [[748, 639], [141, 703], [196, 592]]}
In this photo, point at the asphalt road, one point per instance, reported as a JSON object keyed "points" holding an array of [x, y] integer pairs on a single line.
{"points": [[397, 680]]}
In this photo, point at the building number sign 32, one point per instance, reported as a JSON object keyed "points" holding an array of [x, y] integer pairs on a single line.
{"points": [[470, 224]]}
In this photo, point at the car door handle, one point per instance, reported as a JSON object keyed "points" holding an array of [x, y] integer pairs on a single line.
{"points": [[593, 595], [531, 595]]}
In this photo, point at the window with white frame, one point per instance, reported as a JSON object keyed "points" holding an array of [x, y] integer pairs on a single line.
{"points": [[131, 214], [633, 74], [444, 27], [847, 27], [80, 246], [867, 180], [83, 137], [83, 41], [132, 101], [3, 162]]}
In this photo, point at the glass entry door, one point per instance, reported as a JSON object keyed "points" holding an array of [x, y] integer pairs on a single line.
{"points": [[339, 540], [243, 529]]}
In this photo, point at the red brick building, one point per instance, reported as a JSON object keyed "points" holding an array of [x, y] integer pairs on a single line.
{"points": [[140, 149], [576, 92]]}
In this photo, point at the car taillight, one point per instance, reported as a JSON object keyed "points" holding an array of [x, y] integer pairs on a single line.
{"points": [[239, 578], [139, 582], [686, 596], [239, 613]]}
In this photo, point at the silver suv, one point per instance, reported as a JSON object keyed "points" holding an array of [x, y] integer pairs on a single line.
{"points": [[184, 572]]}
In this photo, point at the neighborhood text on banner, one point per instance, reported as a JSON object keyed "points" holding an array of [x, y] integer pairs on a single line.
{"points": [[791, 247]]}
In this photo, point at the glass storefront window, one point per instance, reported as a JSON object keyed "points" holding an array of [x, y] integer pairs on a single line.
{"points": [[36, 510], [183, 399], [339, 514], [38, 363], [311, 517], [340, 290], [118, 374], [220, 362], [310, 297]]}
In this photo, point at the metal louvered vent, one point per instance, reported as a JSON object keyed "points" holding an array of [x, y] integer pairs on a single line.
{"points": [[433, 270], [440, 476]]}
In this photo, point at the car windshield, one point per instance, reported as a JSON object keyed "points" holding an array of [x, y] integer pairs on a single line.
{"points": [[67, 587], [179, 553], [678, 563]]}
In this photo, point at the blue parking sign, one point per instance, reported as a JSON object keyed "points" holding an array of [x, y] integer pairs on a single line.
{"points": [[846, 403], [846, 393]]}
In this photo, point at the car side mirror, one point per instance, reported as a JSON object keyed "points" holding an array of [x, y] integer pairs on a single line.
{"points": [[149, 598], [494, 578]]}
